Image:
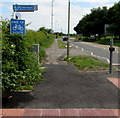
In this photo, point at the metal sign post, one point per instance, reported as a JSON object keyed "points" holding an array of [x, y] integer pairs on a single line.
{"points": [[111, 49], [17, 15], [68, 43]]}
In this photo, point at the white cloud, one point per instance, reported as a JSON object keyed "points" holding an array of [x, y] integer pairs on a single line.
{"points": [[43, 16], [103, 1], [23, 1], [107, 5], [76, 14]]}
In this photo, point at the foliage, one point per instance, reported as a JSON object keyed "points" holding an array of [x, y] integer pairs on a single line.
{"points": [[61, 44], [85, 63], [18, 63], [114, 19], [103, 40], [94, 22], [45, 30], [20, 69], [41, 38]]}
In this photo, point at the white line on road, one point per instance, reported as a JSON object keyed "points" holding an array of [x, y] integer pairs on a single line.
{"points": [[82, 49], [102, 58], [91, 53], [115, 64]]}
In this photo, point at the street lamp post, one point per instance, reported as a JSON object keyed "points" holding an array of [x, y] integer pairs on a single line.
{"points": [[68, 43], [52, 16]]}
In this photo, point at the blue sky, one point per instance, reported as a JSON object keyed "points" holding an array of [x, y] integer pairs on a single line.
{"points": [[42, 17]]}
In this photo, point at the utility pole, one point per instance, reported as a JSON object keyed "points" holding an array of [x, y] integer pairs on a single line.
{"points": [[52, 15], [68, 43], [61, 29]]}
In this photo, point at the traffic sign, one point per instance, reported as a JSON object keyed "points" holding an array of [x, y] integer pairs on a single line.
{"points": [[17, 26], [107, 32], [25, 8]]}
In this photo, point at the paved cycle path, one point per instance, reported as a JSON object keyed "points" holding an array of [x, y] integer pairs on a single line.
{"points": [[65, 87]]}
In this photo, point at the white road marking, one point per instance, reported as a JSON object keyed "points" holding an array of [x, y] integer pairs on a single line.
{"points": [[115, 64], [82, 49], [102, 58], [91, 53], [76, 46]]}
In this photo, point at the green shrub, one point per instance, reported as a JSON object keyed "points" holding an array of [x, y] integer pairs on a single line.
{"points": [[20, 68], [88, 63], [42, 38]]}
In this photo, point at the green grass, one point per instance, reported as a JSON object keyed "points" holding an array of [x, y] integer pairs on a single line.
{"points": [[86, 63], [61, 44], [42, 38], [103, 41], [116, 43]]}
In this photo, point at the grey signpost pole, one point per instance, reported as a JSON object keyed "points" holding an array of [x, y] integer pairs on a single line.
{"points": [[68, 30], [111, 48], [111, 55]]}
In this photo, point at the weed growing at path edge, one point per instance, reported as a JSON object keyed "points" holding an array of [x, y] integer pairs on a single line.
{"points": [[61, 44], [88, 63]]}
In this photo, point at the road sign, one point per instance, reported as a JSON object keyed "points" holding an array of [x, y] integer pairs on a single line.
{"points": [[107, 32], [17, 26], [35, 48], [25, 8]]}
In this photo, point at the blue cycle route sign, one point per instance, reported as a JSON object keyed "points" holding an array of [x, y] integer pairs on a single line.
{"points": [[25, 8], [17, 26]]}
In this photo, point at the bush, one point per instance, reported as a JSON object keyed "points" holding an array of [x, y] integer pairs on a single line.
{"points": [[20, 69], [42, 38], [85, 63]]}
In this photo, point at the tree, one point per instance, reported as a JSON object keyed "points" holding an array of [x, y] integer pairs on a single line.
{"points": [[114, 19], [94, 22], [49, 31]]}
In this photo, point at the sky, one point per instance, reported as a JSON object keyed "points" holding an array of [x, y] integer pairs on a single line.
{"points": [[42, 17]]}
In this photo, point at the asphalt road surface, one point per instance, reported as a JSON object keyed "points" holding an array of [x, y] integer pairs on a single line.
{"points": [[65, 87], [98, 52]]}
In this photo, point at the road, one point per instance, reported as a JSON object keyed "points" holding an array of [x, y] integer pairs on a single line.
{"points": [[100, 52]]}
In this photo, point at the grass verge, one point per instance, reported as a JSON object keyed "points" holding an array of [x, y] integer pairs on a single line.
{"points": [[102, 40], [61, 44], [88, 63]]}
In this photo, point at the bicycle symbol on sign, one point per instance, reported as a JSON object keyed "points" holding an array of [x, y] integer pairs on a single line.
{"points": [[18, 27]]}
